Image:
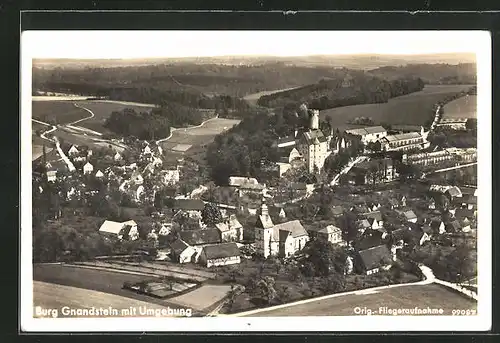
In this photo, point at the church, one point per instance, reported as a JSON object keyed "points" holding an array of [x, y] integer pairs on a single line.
{"points": [[281, 240], [310, 146]]}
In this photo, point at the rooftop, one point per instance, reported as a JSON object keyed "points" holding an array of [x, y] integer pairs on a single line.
{"points": [[366, 130], [222, 250]]}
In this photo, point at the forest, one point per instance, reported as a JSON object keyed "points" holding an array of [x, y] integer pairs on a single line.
{"points": [[352, 89]]}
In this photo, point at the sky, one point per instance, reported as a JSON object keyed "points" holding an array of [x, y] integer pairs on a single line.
{"points": [[155, 44]]}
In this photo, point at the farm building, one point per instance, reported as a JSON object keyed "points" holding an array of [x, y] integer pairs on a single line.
{"points": [[220, 255], [410, 216], [369, 134], [73, 151], [125, 230], [374, 259]]}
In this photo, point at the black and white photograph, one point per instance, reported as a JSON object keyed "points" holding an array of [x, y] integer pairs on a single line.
{"points": [[255, 181]]}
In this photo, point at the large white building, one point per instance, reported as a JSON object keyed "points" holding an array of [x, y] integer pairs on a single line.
{"points": [[405, 141], [310, 146], [435, 157], [369, 134]]}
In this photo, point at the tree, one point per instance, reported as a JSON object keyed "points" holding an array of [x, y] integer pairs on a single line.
{"points": [[211, 215], [266, 289], [326, 258]]}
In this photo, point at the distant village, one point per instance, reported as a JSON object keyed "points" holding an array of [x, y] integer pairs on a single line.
{"points": [[385, 220]]}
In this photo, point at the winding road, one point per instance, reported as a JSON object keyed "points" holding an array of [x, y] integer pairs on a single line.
{"points": [[173, 129], [346, 169]]}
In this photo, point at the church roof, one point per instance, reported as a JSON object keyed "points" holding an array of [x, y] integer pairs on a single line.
{"points": [[294, 226]]}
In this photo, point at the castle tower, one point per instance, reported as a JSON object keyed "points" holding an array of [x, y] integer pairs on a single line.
{"points": [[314, 120]]}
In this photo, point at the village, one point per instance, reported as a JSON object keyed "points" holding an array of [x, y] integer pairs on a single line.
{"points": [[374, 213]]}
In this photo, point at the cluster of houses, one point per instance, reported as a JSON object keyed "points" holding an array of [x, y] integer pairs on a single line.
{"points": [[397, 142]]}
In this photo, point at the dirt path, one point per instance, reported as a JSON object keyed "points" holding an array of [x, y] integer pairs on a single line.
{"points": [[173, 129]]}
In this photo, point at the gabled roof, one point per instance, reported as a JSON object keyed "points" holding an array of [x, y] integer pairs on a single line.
{"points": [[435, 224], [222, 250], [375, 257], [198, 237], [364, 224], [403, 136], [239, 181], [189, 204], [368, 240], [409, 214], [232, 224], [462, 213], [178, 246], [283, 235], [326, 230], [366, 130], [376, 215], [110, 226], [454, 191], [285, 141], [294, 226]]}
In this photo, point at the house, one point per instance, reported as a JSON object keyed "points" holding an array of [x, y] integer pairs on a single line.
{"points": [[117, 157], [363, 225], [453, 226], [99, 174], [432, 204], [146, 150], [73, 151], [368, 134], [393, 203], [51, 175], [372, 260], [465, 224], [230, 230], [200, 237], [453, 192], [282, 239], [337, 211], [137, 178], [238, 181], [125, 230], [410, 216], [181, 251], [417, 234], [329, 233], [369, 239], [464, 214], [373, 206], [453, 123], [437, 227], [88, 168], [192, 207], [374, 219], [165, 229], [220, 255]]}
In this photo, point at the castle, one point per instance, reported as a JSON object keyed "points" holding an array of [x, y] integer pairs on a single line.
{"points": [[310, 146]]}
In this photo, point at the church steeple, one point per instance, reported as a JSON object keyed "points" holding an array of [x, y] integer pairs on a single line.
{"points": [[264, 210]]}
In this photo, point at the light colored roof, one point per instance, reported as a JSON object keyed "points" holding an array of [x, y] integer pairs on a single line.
{"points": [[313, 135], [111, 227], [99, 174], [454, 191], [410, 214], [403, 136], [329, 229], [226, 226], [366, 130], [240, 181], [87, 165], [294, 226]]}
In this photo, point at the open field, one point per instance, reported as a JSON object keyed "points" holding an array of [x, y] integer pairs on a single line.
{"points": [[92, 279], [48, 295], [413, 109], [102, 110], [423, 296], [61, 112], [65, 111], [464, 107], [202, 297], [183, 140]]}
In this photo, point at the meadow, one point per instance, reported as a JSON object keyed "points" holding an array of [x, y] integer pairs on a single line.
{"points": [[464, 107], [65, 112], [433, 296], [412, 109]]}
